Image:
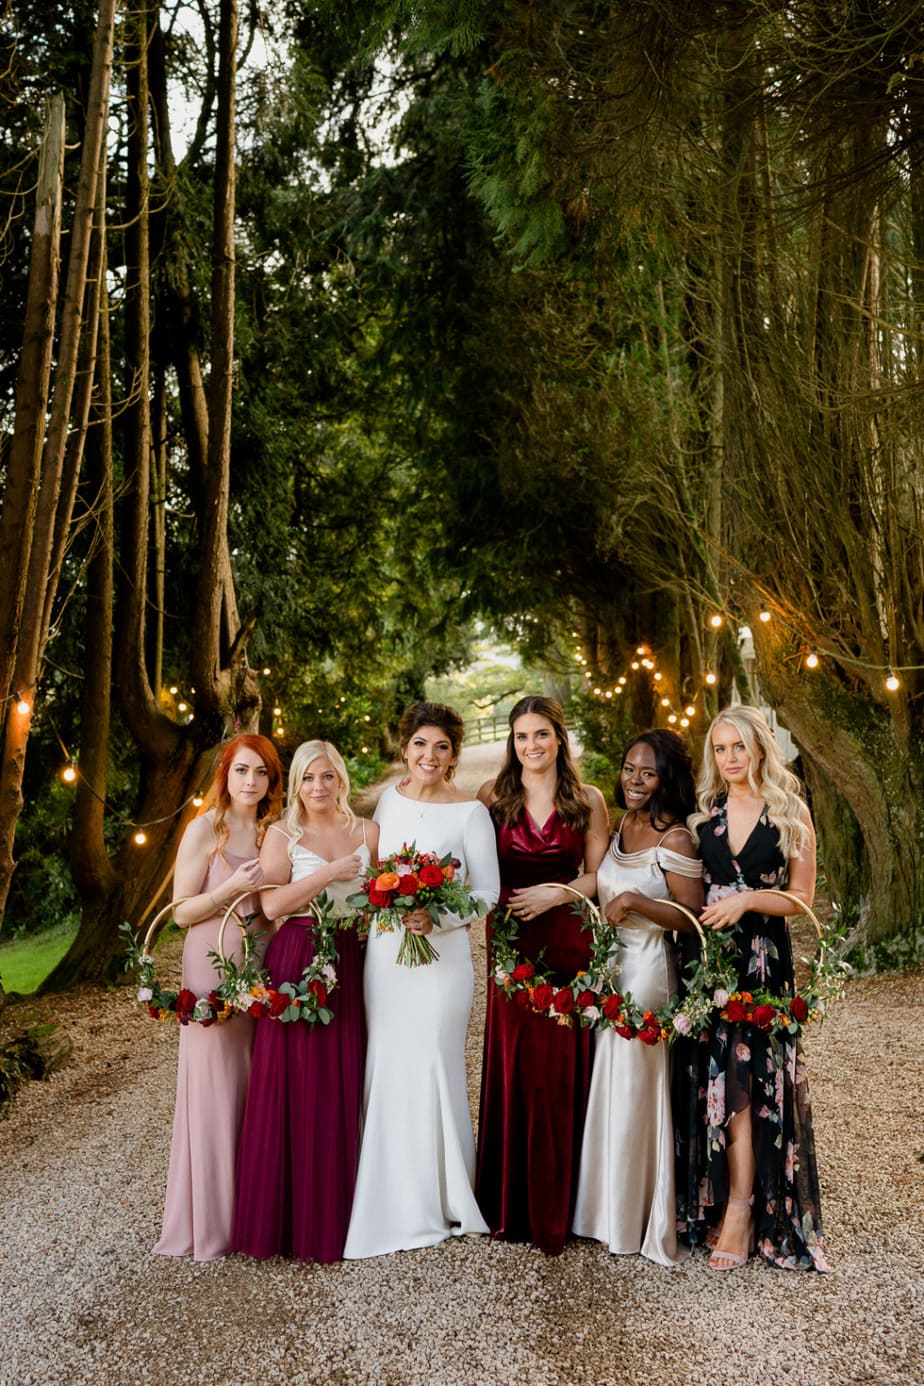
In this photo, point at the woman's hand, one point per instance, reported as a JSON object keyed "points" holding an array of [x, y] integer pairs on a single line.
{"points": [[345, 868], [724, 914], [418, 921], [620, 907], [535, 900], [249, 876]]}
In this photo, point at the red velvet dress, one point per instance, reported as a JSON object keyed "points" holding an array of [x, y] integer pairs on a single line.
{"points": [[536, 1074]]}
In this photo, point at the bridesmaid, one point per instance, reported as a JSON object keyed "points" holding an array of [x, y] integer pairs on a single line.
{"points": [[535, 1077], [758, 1171], [299, 1145], [216, 861], [626, 1188]]}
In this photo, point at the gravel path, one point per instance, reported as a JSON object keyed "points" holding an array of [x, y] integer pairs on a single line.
{"points": [[82, 1300]]}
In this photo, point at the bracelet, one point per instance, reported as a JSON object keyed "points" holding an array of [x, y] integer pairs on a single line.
{"points": [[215, 902]]}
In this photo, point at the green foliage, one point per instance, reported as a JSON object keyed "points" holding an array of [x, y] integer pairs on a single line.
{"points": [[26, 961]]}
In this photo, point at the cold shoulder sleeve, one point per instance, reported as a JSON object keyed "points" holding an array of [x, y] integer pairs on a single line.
{"points": [[678, 864]]}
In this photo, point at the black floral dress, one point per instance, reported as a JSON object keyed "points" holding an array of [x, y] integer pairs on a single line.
{"points": [[739, 1064]]}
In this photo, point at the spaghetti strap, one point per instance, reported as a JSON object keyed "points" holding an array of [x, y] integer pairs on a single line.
{"points": [[363, 821]]}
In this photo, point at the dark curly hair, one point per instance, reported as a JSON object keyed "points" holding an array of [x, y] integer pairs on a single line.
{"points": [[571, 802], [675, 797]]}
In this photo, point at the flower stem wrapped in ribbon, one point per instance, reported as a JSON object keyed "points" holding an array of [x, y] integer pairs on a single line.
{"points": [[411, 880]]}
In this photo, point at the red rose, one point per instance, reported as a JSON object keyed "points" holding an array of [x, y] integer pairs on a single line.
{"points": [[153, 1012], [586, 998], [378, 898], [763, 1016], [735, 1010], [278, 1002], [626, 1031], [408, 885], [431, 876], [185, 1005], [319, 991], [650, 1035], [564, 1001], [798, 1008], [255, 1009], [612, 1006], [542, 997], [522, 972], [522, 1000]]}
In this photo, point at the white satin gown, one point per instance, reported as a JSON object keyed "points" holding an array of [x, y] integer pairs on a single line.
{"points": [[417, 1157], [626, 1187]]}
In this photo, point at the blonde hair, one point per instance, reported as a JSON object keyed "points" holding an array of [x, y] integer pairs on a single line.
{"points": [[306, 754], [768, 778]]}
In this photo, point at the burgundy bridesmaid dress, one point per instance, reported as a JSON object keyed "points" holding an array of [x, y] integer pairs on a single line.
{"points": [[536, 1074]]}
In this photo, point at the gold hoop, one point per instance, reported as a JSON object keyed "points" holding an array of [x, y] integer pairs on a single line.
{"points": [[596, 913], [161, 915], [804, 909], [232, 909], [690, 915]]}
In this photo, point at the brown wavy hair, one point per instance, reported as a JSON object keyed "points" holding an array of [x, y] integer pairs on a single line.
{"points": [[270, 806], [571, 802]]}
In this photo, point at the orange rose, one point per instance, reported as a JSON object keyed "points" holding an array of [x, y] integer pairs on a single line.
{"points": [[387, 881], [449, 871]]}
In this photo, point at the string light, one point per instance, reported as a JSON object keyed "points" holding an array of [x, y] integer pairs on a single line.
{"points": [[69, 774], [641, 649], [811, 660], [277, 711], [715, 621], [690, 710], [280, 731], [764, 616], [635, 664], [710, 678], [198, 801], [22, 706], [182, 707], [140, 838], [684, 721], [892, 683], [609, 693], [658, 677], [174, 690], [665, 702], [266, 671], [672, 718]]}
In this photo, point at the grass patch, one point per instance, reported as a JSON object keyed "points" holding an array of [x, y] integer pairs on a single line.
{"points": [[25, 962]]}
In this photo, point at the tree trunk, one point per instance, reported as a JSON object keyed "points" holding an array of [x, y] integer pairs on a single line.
{"points": [[24, 461]]}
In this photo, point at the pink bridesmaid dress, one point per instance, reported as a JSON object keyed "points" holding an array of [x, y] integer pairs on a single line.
{"points": [[211, 1090]]}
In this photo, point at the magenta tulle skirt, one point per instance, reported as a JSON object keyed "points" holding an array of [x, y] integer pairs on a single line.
{"points": [[299, 1147]]}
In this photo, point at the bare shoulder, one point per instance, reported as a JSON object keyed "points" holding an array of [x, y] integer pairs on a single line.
{"points": [[595, 799], [486, 793], [680, 840], [200, 832]]}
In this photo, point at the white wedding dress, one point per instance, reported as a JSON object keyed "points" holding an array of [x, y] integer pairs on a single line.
{"points": [[625, 1195], [417, 1157]]}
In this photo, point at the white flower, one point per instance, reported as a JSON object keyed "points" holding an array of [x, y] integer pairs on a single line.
{"points": [[592, 1012], [720, 997], [329, 973], [682, 1023], [145, 994]]}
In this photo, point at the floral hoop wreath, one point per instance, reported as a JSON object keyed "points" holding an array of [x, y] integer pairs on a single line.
{"points": [[247, 985], [244, 987], [592, 998], [789, 1015], [165, 1003]]}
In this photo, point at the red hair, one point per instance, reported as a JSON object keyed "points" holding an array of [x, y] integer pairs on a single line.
{"points": [[270, 806]]}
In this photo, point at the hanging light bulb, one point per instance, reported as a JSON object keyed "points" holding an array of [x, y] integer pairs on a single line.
{"points": [[715, 621], [198, 801], [684, 721], [22, 706], [892, 682], [710, 678], [277, 711], [764, 616], [174, 690], [665, 702], [811, 660], [658, 678], [635, 664], [672, 718], [182, 707], [690, 710], [141, 838], [266, 671], [69, 774]]}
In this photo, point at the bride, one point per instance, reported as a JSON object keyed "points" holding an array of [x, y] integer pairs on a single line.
{"points": [[417, 1158]]}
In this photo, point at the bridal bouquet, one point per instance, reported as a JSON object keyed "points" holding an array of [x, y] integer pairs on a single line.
{"points": [[412, 880]]}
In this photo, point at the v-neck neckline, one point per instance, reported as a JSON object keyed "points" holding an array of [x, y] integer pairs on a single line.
{"points": [[723, 815]]}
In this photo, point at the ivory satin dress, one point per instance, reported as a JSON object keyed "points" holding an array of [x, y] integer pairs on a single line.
{"points": [[626, 1186]]}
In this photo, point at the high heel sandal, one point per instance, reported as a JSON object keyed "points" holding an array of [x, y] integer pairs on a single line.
{"points": [[733, 1260]]}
